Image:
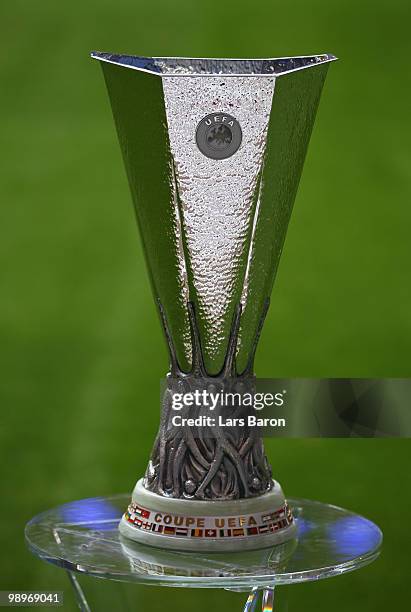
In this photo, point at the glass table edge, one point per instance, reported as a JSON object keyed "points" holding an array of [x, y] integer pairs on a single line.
{"points": [[212, 581]]}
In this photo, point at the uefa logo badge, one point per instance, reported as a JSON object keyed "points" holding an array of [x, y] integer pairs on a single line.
{"points": [[218, 135]]}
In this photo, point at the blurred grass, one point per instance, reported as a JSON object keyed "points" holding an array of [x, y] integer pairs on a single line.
{"points": [[81, 348]]}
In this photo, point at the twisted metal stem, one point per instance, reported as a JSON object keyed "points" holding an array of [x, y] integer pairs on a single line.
{"points": [[208, 462]]}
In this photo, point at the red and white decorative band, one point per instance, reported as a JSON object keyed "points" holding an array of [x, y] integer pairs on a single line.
{"points": [[208, 526]]}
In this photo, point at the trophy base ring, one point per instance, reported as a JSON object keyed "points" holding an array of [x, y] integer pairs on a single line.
{"points": [[187, 524]]}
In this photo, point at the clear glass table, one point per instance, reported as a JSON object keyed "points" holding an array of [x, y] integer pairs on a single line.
{"points": [[82, 538]]}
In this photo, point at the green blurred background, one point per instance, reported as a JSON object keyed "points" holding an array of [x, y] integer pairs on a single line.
{"points": [[81, 347]]}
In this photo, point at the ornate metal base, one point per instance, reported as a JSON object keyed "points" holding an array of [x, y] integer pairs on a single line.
{"points": [[179, 524]]}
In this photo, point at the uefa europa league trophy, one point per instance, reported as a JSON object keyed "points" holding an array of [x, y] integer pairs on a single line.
{"points": [[213, 150]]}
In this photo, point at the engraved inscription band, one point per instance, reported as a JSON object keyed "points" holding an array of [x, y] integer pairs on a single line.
{"points": [[248, 525]]}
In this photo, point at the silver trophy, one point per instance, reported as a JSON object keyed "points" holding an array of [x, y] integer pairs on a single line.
{"points": [[214, 150]]}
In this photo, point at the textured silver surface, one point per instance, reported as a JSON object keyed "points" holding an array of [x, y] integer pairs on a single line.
{"points": [[217, 197]]}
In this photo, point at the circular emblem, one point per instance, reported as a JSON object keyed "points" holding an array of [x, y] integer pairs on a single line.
{"points": [[218, 135]]}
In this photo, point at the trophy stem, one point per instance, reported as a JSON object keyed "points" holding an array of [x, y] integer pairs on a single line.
{"points": [[208, 461]]}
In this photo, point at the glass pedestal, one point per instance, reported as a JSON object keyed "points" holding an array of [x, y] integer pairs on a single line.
{"points": [[82, 537]]}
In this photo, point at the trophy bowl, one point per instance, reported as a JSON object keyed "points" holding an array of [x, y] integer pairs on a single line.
{"points": [[213, 150]]}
